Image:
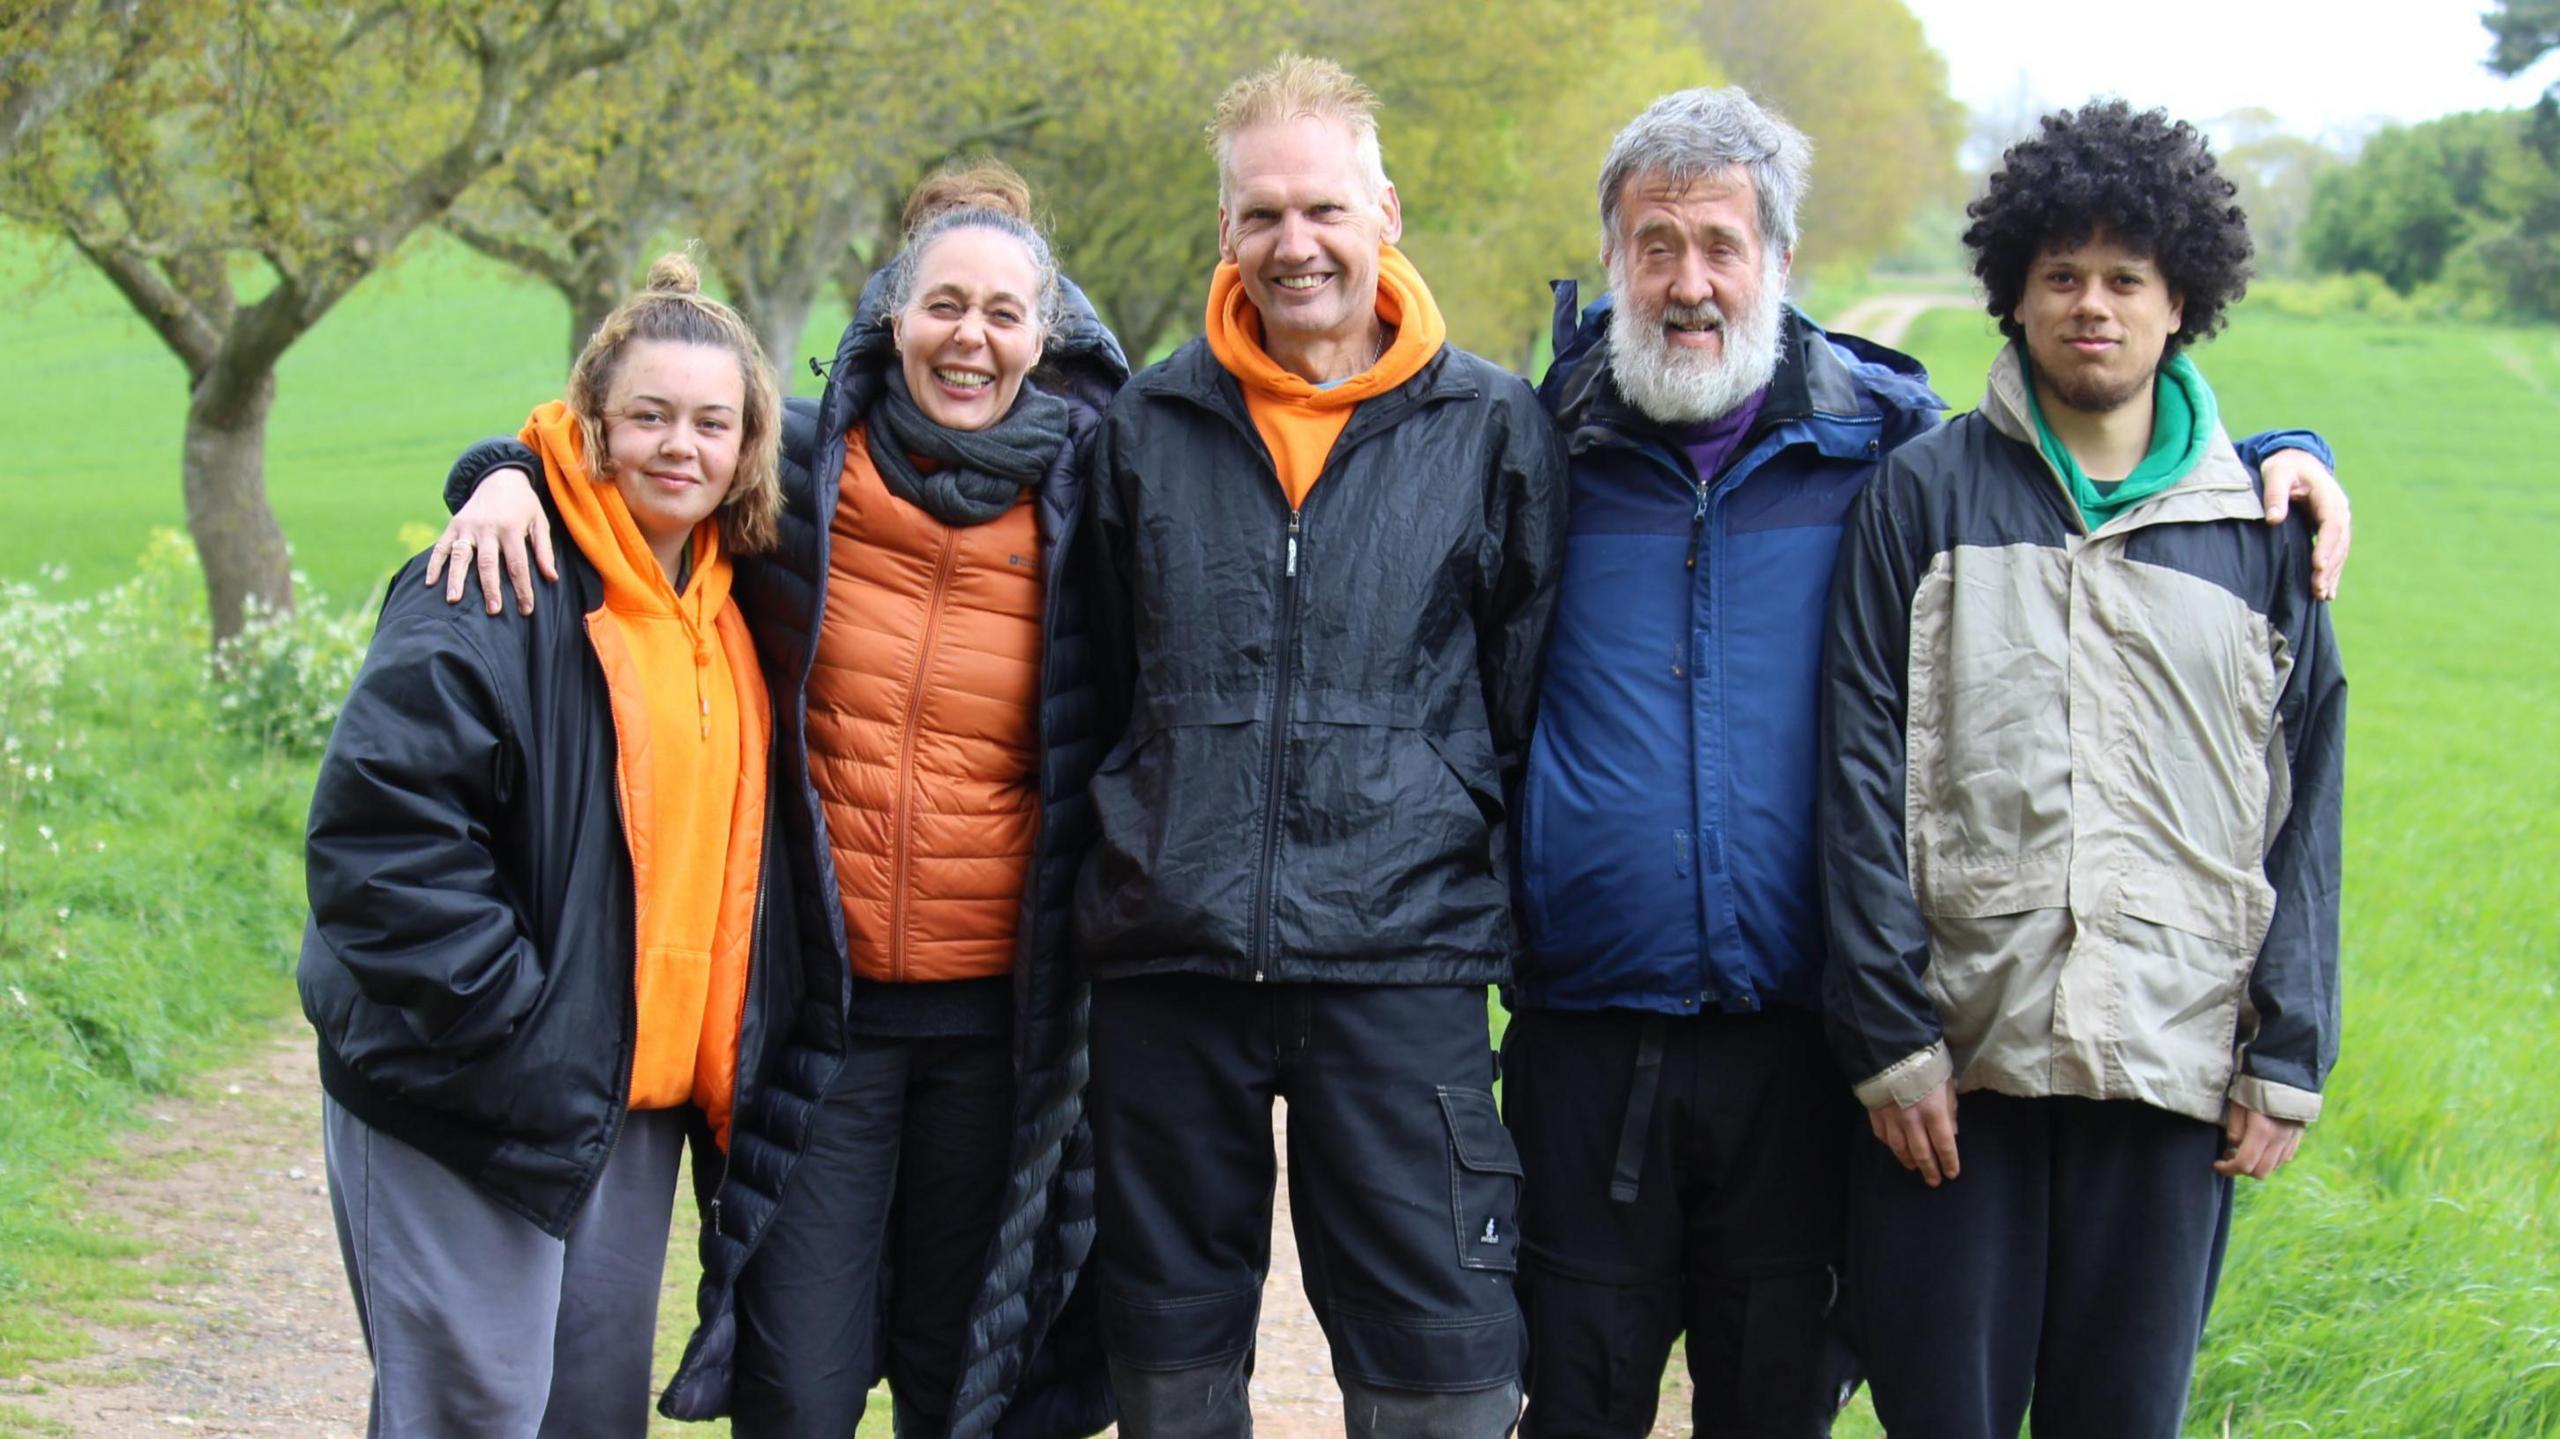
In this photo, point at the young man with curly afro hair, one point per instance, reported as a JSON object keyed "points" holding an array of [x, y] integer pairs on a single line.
{"points": [[2084, 753]]}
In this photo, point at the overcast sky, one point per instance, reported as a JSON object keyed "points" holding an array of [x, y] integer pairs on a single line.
{"points": [[2333, 63]]}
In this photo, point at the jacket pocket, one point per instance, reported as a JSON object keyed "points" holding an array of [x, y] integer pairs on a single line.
{"points": [[1468, 756], [2232, 915], [1991, 927], [1174, 809], [2185, 946], [1484, 1181]]}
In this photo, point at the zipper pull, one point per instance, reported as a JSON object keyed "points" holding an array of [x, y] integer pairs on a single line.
{"points": [[1697, 525], [1292, 571]]}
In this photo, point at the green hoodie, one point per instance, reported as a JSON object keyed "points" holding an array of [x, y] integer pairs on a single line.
{"points": [[2183, 417]]}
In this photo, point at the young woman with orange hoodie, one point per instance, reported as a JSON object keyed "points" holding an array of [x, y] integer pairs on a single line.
{"points": [[936, 681], [537, 864]]}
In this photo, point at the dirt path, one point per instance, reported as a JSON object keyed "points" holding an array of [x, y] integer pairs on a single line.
{"points": [[255, 1334], [1886, 319], [259, 1337]]}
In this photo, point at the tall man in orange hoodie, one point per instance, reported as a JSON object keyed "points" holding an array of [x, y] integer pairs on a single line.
{"points": [[1329, 542]]}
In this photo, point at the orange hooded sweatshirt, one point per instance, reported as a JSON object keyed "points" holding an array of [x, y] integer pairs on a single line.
{"points": [[689, 722], [1298, 421]]}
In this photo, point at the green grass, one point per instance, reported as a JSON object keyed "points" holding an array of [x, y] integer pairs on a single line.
{"points": [[2404, 1276], [150, 884], [443, 348]]}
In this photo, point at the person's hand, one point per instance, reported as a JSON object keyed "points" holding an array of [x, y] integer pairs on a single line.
{"points": [[502, 520], [2255, 1144], [2292, 475], [1921, 1135]]}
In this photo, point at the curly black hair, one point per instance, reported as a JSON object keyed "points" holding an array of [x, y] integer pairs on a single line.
{"points": [[2146, 179]]}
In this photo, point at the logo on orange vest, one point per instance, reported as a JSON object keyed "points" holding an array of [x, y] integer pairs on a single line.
{"points": [[1015, 560]]}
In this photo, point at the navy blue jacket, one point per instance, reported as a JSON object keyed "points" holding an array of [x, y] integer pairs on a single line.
{"points": [[1695, 893], [1667, 842]]}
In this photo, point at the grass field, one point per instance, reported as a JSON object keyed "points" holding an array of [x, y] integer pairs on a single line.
{"points": [[2402, 1279]]}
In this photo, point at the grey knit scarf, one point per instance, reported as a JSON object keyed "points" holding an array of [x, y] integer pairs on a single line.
{"points": [[983, 471]]}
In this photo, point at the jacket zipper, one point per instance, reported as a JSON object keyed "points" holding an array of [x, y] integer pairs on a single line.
{"points": [[901, 854], [1284, 654]]}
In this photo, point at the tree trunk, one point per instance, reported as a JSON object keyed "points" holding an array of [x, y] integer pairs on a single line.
{"points": [[590, 301], [780, 315], [237, 538]]}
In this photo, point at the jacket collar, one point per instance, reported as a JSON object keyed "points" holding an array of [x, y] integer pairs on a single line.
{"points": [[2218, 488], [1192, 373]]}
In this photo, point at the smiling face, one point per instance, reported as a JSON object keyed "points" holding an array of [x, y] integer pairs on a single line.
{"points": [[970, 331], [2096, 318], [671, 434], [1694, 328], [1299, 220]]}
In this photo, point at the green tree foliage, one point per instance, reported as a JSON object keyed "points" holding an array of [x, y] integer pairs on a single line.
{"points": [[2467, 201], [786, 139], [2523, 31], [244, 167], [1859, 77], [1495, 120], [584, 199], [1120, 172], [2275, 173], [52, 52]]}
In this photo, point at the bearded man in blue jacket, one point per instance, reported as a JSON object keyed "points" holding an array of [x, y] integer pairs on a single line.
{"points": [[1686, 1134]]}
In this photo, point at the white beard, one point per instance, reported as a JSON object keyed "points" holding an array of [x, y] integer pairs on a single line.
{"points": [[1673, 386]]}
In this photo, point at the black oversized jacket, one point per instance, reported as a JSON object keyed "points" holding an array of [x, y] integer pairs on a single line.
{"points": [[1329, 709], [468, 960], [1025, 1373]]}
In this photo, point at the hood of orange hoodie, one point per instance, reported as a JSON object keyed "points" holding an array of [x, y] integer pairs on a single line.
{"points": [[1404, 302], [600, 524], [1298, 420]]}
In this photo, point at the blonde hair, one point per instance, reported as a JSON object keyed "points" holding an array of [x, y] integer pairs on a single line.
{"points": [[1294, 87], [982, 184], [672, 307]]}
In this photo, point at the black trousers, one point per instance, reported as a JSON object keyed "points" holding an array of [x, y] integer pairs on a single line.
{"points": [[881, 1241], [1709, 1195], [1403, 1185], [2062, 1278]]}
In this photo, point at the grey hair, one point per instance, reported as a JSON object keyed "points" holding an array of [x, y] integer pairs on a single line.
{"points": [[1688, 135], [1047, 304]]}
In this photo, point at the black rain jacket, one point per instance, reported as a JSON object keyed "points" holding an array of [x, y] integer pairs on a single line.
{"points": [[1328, 708]]}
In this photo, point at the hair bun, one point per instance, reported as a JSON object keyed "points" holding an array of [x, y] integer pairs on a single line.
{"points": [[674, 274]]}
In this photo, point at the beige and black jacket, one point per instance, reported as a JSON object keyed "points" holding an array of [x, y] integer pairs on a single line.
{"points": [[2081, 797]]}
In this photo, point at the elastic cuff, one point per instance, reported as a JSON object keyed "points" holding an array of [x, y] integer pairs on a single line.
{"points": [[1908, 1080], [2275, 1101]]}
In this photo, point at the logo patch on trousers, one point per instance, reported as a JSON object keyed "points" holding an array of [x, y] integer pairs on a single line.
{"points": [[1490, 1235]]}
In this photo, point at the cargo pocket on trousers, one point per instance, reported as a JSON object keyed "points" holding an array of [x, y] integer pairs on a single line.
{"points": [[1484, 1181]]}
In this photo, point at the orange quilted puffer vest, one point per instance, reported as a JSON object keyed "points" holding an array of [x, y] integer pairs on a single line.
{"points": [[922, 739]]}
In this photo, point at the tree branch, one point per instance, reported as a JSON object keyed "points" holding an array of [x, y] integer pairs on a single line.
{"points": [[175, 317]]}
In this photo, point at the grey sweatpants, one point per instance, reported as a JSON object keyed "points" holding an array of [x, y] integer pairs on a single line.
{"points": [[480, 1324]]}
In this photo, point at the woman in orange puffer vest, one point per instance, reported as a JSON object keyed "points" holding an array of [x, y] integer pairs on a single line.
{"points": [[940, 714]]}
